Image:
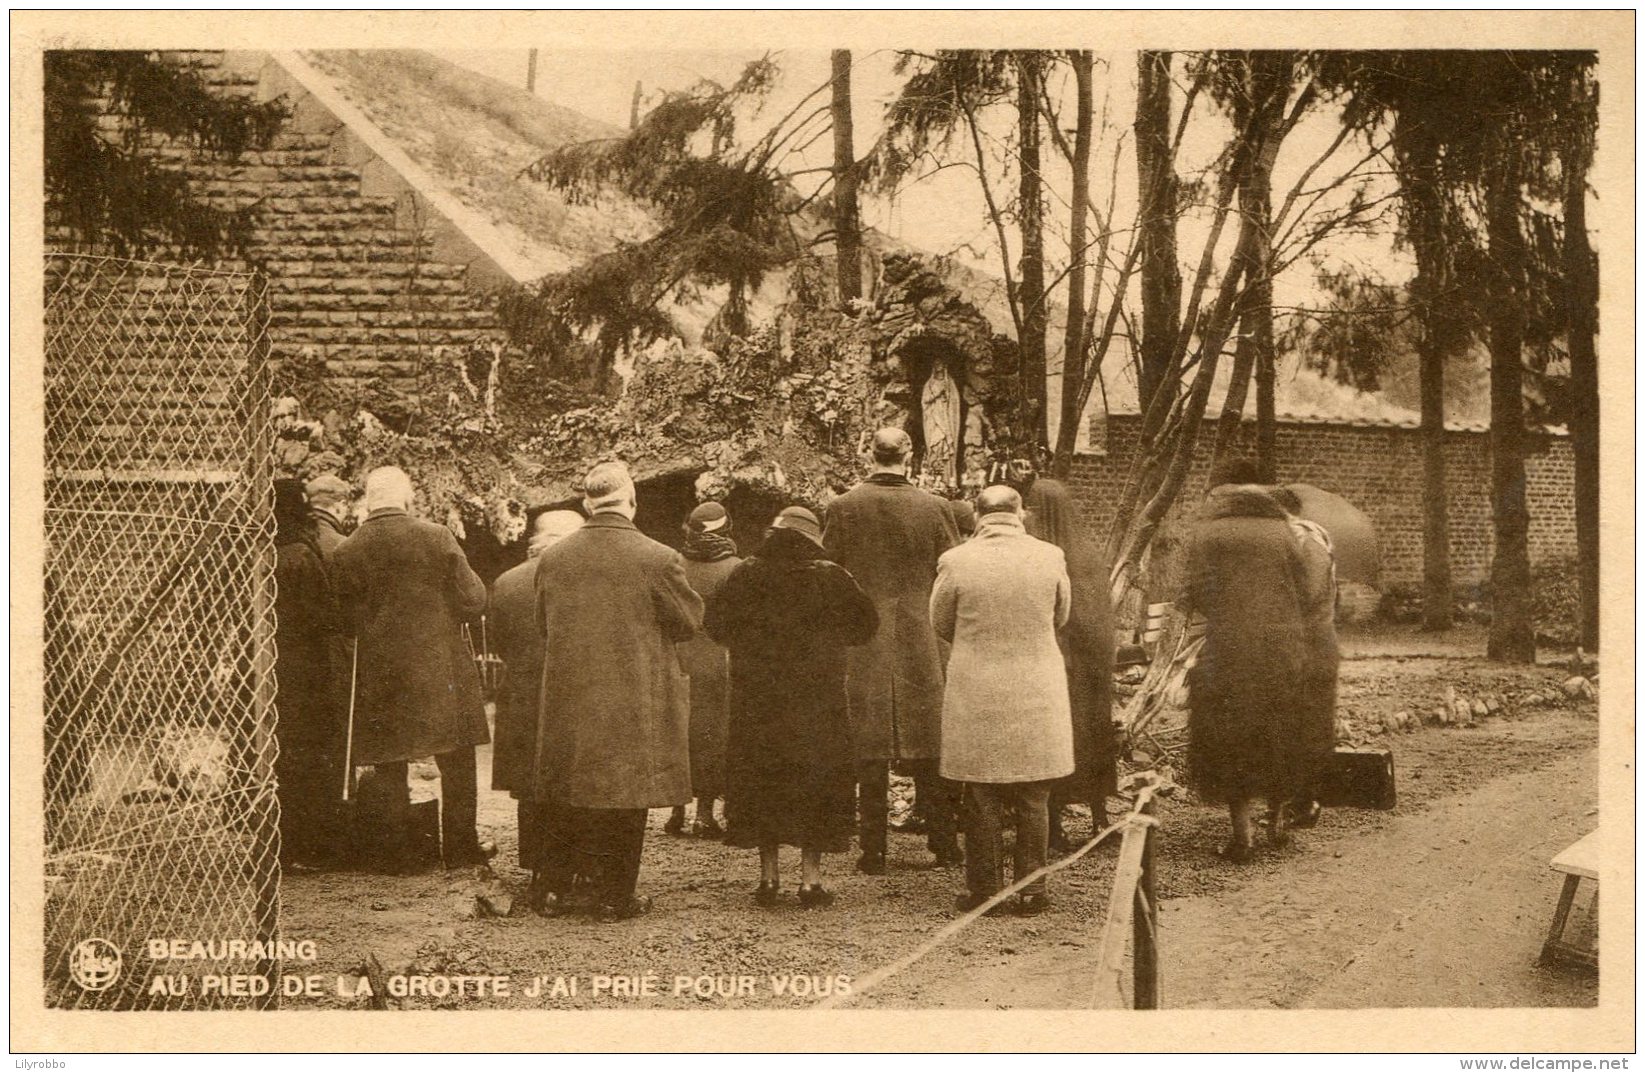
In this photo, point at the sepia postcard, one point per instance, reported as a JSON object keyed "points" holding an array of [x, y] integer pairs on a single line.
{"points": [[856, 530]]}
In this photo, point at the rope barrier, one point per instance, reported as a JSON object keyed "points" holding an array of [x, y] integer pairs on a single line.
{"points": [[867, 983]]}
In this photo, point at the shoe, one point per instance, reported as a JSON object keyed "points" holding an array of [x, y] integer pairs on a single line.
{"points": [[1032, 905], [1238, 853], [553, 906], [871, 864], [913, 825], [537, 892], [707, 829], [1306, 814], [634, 907], [1279, 832], [816, 896], [478, 854], [675, 823], [967, 902], [765, 895]]}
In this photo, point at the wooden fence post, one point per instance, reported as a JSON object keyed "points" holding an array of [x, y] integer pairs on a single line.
{"points": [[1145, 989]]}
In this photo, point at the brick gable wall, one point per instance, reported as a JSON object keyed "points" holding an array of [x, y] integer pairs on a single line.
{"points": [[359, 311]]}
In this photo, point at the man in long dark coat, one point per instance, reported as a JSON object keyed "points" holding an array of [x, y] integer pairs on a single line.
{"points": [[615, 704], [404, 590], [889, 535], [1246, 577], [309, 768], [519, 644]]}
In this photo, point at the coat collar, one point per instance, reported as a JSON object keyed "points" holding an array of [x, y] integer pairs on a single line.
{"points": [[1242, 501], [386, 512], [893, 479], [609, 519], [999, 524]]}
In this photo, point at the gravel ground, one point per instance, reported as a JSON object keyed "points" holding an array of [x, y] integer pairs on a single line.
{"points": [[706, 932]]}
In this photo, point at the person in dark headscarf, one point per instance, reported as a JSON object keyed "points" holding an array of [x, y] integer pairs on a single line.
{"points": [[309, 770], [710, 556], [788, 615], [1087, 643]]}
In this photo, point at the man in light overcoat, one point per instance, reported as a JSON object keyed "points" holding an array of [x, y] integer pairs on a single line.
{"points": [[1007, 733]]}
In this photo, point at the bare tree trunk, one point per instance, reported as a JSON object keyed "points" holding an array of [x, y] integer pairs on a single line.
{"points": [[1256, 199], [634, 107], [1259, 329], [1582, 297], [1161, 275], [1425, 221], [1031, 217], [1269, 89], [1437, 599], [1217, 328], [531, 71], [1513, 632], [1233, 403], [1075, 343], [847, 227]]}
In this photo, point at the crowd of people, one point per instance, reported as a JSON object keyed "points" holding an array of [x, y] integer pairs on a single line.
{"points": [[967, 644]]}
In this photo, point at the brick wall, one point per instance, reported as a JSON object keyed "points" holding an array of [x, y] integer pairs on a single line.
{"points": [[1379, 469], [359, 309]]}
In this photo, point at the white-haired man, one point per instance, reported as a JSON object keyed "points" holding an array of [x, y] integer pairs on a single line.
{"points": [[519, 644], [405, 589], [612, 737]]}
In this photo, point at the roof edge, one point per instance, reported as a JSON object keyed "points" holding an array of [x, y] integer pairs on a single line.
{"points": [[477, 230]]}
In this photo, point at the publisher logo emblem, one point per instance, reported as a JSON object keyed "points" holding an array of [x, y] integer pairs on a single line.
{"points": [[94, 964]]}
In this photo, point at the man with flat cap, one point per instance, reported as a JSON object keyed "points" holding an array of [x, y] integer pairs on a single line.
{"points": [[328, 504], [615, 702], [519, 644], [889, 535]]}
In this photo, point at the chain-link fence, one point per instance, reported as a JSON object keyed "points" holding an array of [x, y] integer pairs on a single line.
{"points": [[161, 821]]}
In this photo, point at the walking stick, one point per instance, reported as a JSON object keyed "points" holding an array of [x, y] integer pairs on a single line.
{"points": [[348, 741]]}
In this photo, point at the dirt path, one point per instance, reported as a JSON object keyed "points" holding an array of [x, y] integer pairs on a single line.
{"points": [[705, 923], [1444, 907]]}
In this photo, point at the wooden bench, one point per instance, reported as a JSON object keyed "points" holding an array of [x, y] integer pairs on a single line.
{"points": [[1578, 861]]}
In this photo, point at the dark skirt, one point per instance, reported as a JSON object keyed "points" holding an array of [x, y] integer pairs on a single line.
{"points": [[1096, 749], [789, 778], [1247, 742]]}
